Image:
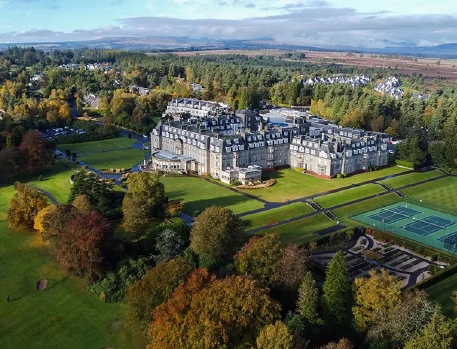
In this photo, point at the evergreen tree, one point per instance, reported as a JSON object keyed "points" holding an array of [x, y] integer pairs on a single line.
{"points": [[308, 300]]}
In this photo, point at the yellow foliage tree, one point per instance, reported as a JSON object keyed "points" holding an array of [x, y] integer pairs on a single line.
{"points": [[41, 217], [275, 336], [380, 292]]}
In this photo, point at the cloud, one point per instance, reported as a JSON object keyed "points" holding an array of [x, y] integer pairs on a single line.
{"points": [[320, 25]]}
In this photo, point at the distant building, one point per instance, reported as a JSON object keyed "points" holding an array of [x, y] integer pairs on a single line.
{"points": [[390, 87]]}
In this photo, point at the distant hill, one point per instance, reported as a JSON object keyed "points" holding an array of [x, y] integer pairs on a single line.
{"points": [[165, 44]]}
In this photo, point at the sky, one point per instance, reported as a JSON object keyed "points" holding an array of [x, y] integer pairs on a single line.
{"points": [[323, 23]]}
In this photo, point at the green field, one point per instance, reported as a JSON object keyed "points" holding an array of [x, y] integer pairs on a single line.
{"points": [[98, 146], [348, 195], [197, 194], [302, 230], [439, 195], [276, 215], [114, 159], [292, 185], [65, 315], [441, 292], [366, 205], [411, 178]]}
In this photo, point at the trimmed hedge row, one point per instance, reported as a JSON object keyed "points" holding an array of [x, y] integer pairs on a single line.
{"points": [[100, 134], [439, 276]]}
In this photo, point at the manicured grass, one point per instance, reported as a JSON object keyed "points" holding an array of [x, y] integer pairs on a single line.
{"points": [[411, 178], [98, 146], [302, 230], [441, 293], [366, 205], [114, 159], [440, 195], [348, 195], [65, 314], [276, 215], [197, 194], [291, 184]]}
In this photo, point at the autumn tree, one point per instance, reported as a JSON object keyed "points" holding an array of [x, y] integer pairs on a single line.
{"points": [[293, 267], [153, 289], [260, 258], [84, 246], [169, 244], [337, 293], [24, 207], [82, 203], [41, 217], [226, 313], [454, 300], [308, 300], [275, 336], [437, 334], [216, 235], [380, 292], [35, 151], [55, 221], [342, 344], [144, 201]]}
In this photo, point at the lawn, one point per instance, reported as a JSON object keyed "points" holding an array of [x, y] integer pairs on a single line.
{"points": [[98, 146], [348, 195], [301, 230], [411, 178], [366, 205], [441, 292], [440, 195], [197, 194], [65, 315], [114, 159], [291, 184], [276, 215]]}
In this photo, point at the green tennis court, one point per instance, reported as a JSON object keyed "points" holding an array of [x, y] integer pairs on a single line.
{"points": [[414, 222]]}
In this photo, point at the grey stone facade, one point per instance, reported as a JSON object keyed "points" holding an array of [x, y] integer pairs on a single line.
{"points": [[220, 142]]}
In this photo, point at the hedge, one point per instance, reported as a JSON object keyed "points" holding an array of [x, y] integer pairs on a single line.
{"points": [[100, 134], [439, 276]]}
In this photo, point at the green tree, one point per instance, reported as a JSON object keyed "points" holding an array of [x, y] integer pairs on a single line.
{"points": [[24, 207], [260, 258], [275, 336], [308, 300], [337, 294], [216, 235], [436, 334], [153, 289], [169, 244], [144, 201]]}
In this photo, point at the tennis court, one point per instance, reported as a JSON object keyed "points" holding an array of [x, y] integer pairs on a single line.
{"points": [[414, 222]]}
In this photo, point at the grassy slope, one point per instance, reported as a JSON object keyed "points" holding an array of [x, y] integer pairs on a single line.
{"points": [[367, 205], [114, 159], [196, 194], [98, 146], [440, 195], [348, 195], [411, 178], [291, 184], [276, 215], [65, 315], [441, 292]]}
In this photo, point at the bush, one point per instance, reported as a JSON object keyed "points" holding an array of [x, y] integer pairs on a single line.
{"points": [[439, 276]]}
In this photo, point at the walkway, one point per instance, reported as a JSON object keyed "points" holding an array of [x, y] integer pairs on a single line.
{"points": [[49, 195]]}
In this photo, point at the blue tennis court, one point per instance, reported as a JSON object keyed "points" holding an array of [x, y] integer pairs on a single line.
{"points": [[448, 237], [395, 214]]}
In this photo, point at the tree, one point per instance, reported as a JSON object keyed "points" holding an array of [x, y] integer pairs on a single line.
{"points": [[35, 151], [275, 336], [24, 207], [153, 289], [380, 292], [308, 300], [260, 258], [226, 313], [170, 244], [82, 203], [454, 300], [436, 334], [144, 201], [337, 293], [293, 267], [41, 218], [217, 234], [55, 221], [84, 246], [342, 344]]}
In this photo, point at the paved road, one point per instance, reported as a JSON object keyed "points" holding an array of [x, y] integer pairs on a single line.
{"points": [[49, 195]]}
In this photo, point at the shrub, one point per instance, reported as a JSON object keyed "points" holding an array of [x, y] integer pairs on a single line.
{"points": [[339, 175]]}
